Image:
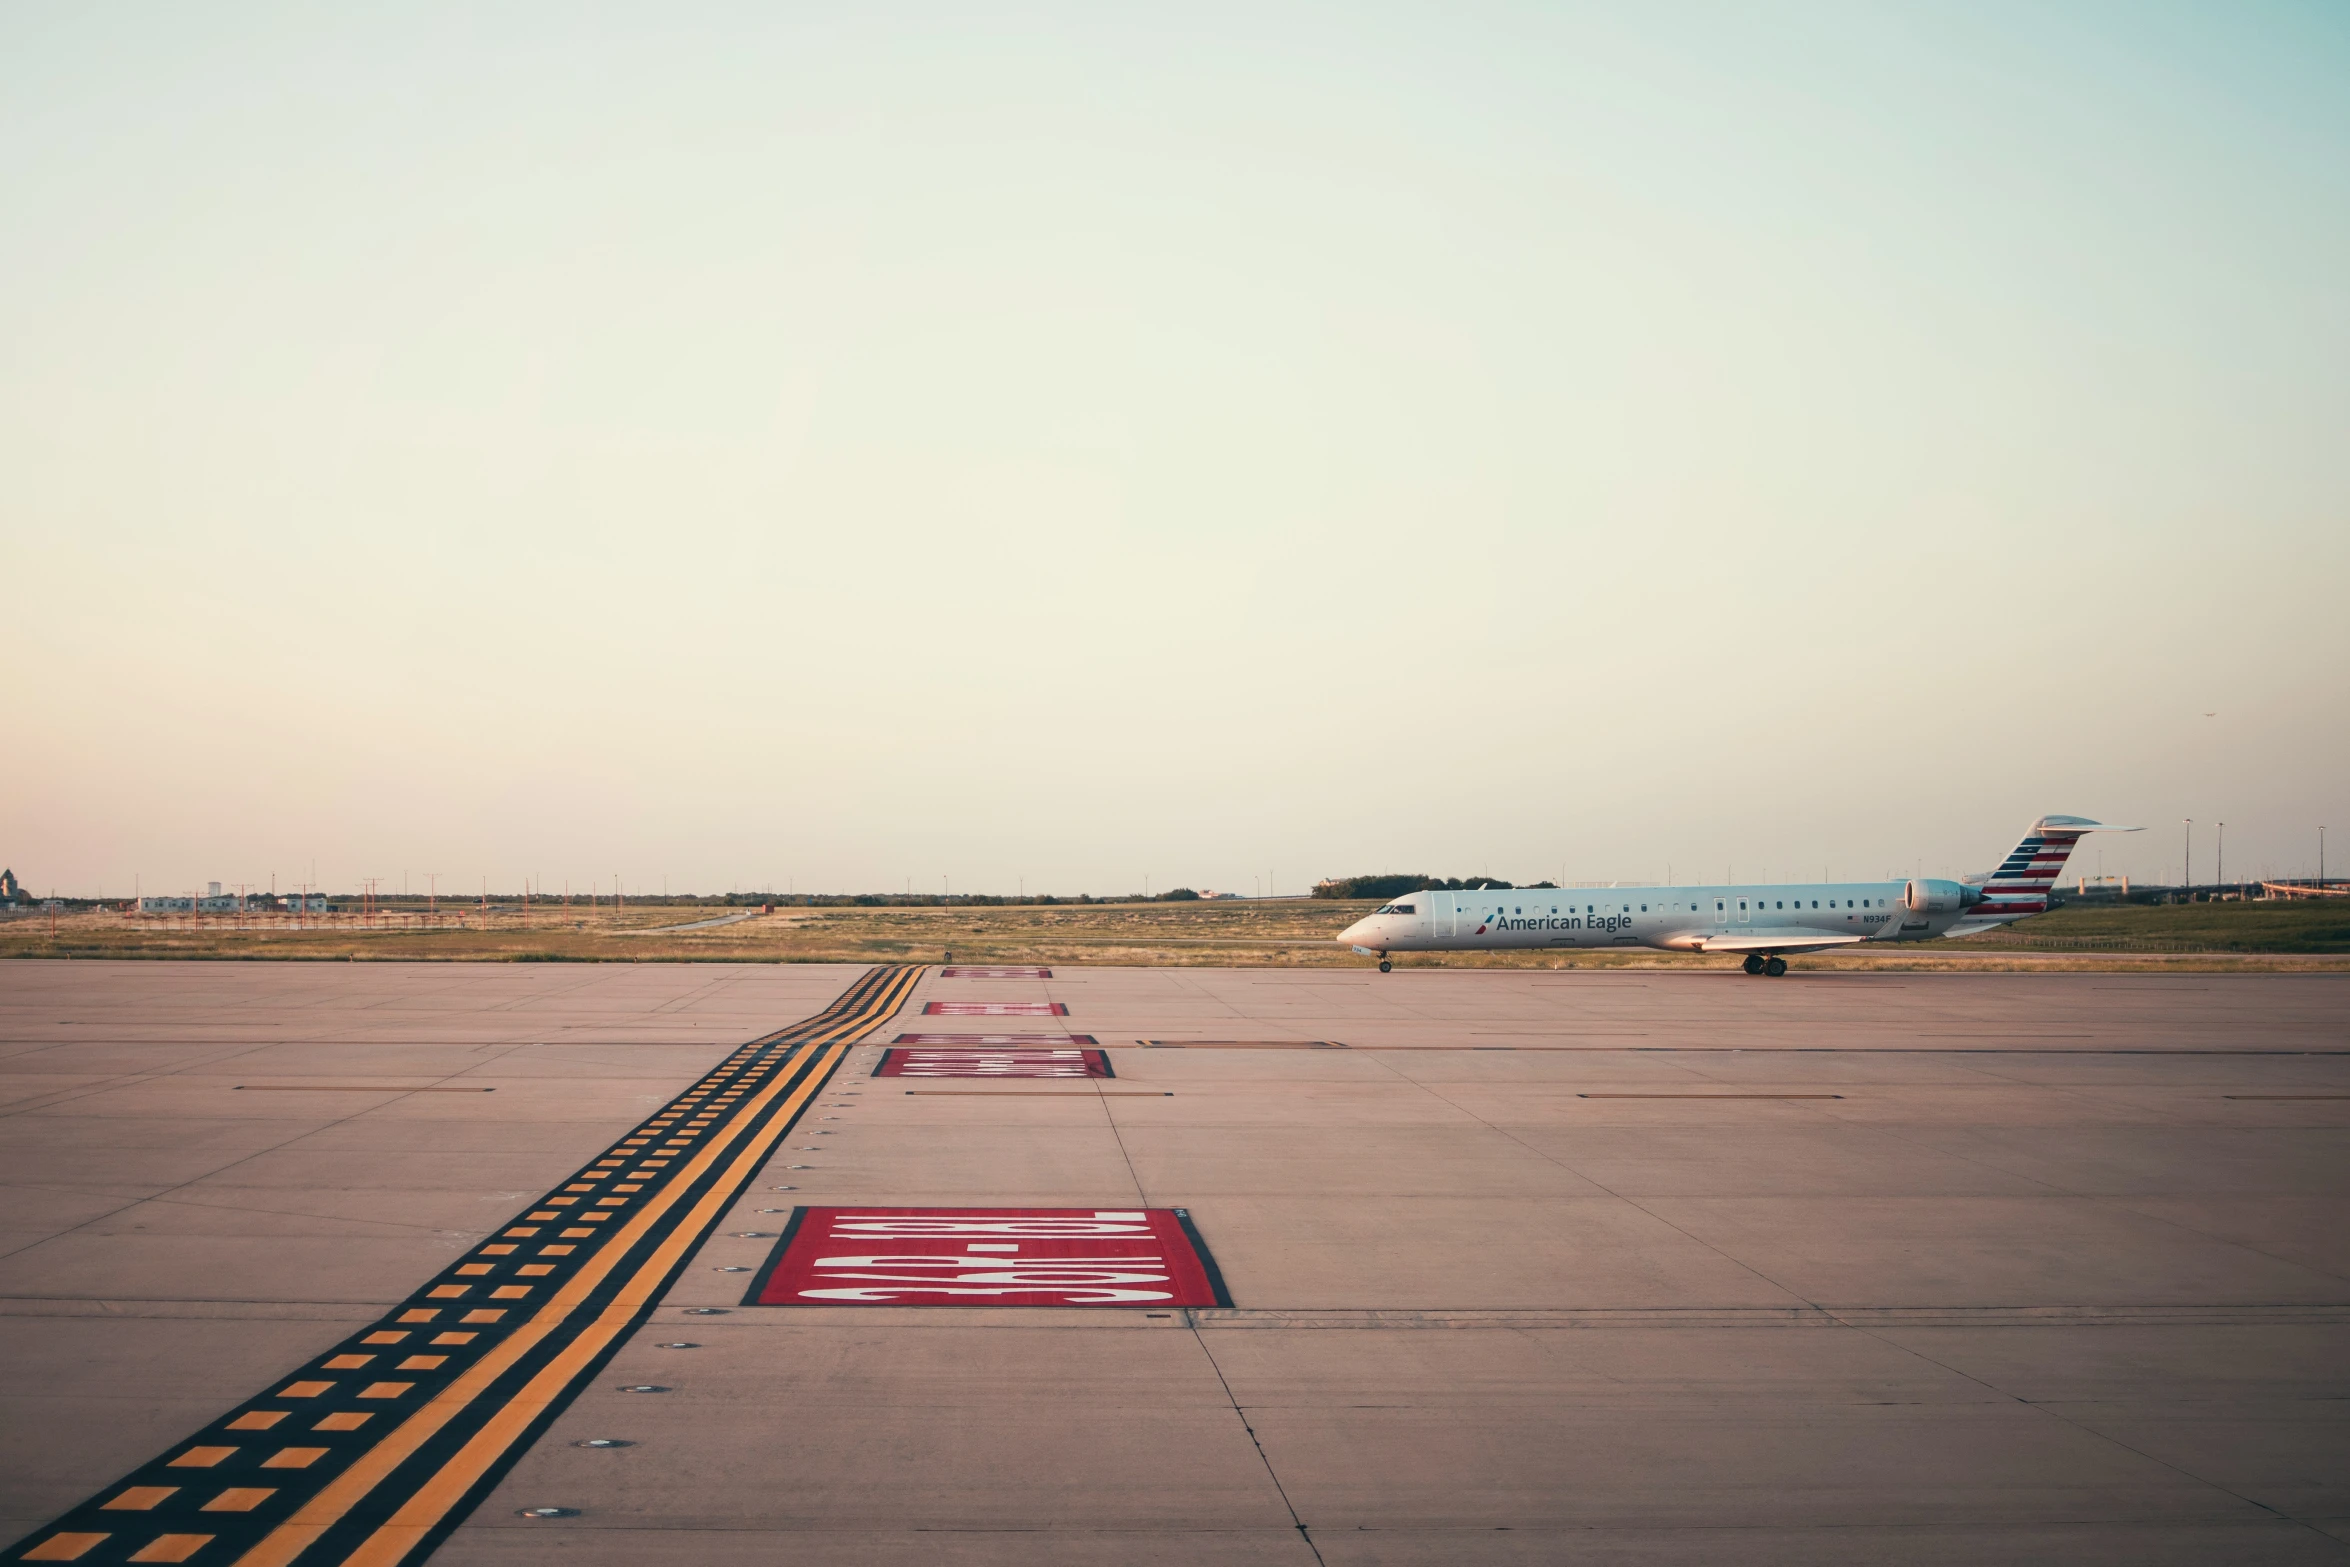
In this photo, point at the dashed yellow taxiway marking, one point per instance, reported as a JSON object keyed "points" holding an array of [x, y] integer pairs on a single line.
{"points": [[372, 1452]]}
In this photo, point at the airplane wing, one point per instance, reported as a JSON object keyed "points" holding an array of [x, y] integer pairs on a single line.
{"points": [[1783, 941]]}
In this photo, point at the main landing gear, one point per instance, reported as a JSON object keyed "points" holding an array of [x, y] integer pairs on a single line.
{"points": [[1386, 967], [1756, 963]]}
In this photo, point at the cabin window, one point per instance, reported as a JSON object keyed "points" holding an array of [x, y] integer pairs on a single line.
{"points": [[1644, 908]]}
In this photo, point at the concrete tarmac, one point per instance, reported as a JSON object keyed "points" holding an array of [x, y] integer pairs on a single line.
{"points": [[1538, 1267]]}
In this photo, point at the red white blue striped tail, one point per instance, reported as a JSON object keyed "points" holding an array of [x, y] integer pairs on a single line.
{"points": [[2022, 884]]}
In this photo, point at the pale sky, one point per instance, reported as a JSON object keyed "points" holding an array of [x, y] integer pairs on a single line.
{"points": [[1087, 443]]}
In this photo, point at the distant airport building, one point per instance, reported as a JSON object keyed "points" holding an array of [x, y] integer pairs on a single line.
{"points": [[305, 902], [214, 901]]}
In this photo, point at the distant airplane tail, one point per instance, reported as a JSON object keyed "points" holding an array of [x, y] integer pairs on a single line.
{"points": [[2021, 885]]}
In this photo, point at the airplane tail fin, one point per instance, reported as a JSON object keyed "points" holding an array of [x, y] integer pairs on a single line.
{"points": [[2022, 883]]}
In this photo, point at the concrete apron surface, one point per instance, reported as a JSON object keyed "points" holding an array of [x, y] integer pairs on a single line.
{"points": [[1524, 1267]]}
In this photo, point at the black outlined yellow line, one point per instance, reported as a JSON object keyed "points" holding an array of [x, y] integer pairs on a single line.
{"points": [[375, 1450]]}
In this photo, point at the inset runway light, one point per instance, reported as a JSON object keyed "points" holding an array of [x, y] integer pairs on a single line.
{"points": [[547, 1512], [730, 1270], [603, 1441], [756, 1235], [705, 1311], [642, 1387], [782, 1189], [680, 1344]]}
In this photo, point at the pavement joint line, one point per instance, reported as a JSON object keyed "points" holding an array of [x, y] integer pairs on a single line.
{"points": [[1646, 1208], [181, 1074], [355, 1088], [472, 1386]]}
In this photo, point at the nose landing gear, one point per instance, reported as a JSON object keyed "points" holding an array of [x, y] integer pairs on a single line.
{"points": [[1385, 966]]}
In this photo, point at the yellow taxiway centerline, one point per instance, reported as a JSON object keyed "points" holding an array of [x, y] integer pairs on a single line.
{"points": [[396, 1538]]}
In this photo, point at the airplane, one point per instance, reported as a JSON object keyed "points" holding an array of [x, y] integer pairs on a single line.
{"points": [[1761, 924]]}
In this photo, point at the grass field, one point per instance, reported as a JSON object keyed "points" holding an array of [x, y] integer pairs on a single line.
{"points": [[1288, 933], [2279, 925]]}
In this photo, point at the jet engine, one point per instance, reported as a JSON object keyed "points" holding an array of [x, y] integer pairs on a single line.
{"points": [[1928, 896]]}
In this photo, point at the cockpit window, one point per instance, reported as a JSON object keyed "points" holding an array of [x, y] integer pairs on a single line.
{"points": [[1402, 908]]}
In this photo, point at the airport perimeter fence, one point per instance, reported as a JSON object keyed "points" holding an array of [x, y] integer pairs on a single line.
{"points": [[2100, 944], [272, 921]]}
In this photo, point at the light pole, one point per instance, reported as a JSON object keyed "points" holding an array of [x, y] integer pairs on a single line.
{"points": [[2219, 875], [2187, 873]]}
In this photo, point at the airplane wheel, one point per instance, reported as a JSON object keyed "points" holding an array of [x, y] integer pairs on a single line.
{"points": [[1776, 967], [1385, 966], [1754, 963]]}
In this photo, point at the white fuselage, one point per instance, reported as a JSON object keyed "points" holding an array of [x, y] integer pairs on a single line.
{"points": [[1673, 918]]}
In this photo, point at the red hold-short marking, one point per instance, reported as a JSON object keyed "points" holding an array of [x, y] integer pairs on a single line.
{"points": [[995, 1009], [994, 1063], [989, 1041], [989, 1257]]}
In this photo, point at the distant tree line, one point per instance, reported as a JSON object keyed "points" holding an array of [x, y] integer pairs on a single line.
{"points": [[1385, 887]]}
